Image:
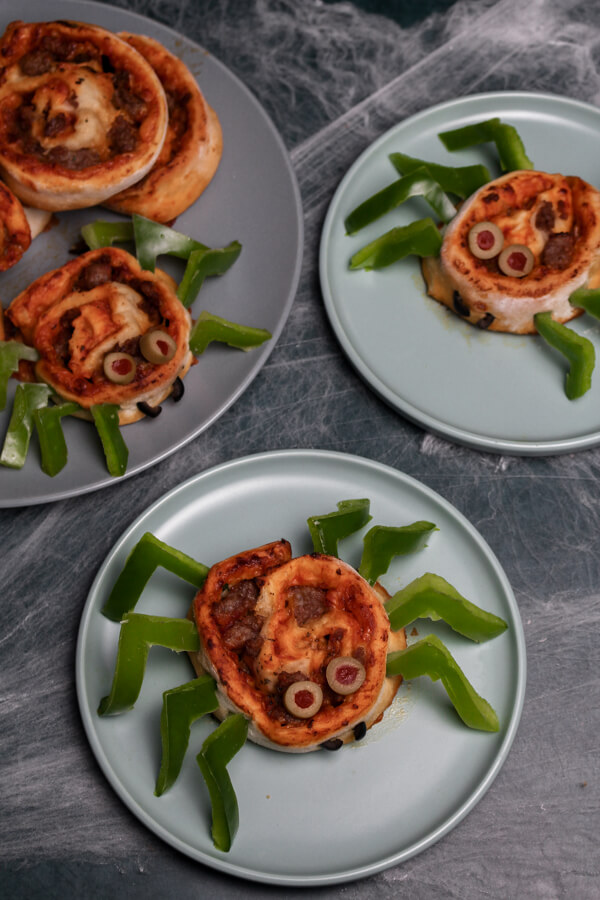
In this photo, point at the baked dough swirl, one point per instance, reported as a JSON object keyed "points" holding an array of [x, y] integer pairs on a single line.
{"points": [[82, 114], [266, 620], [15, 231], [99, 303], [192, 149]]}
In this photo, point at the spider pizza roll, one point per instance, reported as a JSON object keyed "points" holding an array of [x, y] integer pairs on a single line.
{"points": [[298, 646], [192, 149], [520, 245], [106, 331], [15, 231], [82, 114]]}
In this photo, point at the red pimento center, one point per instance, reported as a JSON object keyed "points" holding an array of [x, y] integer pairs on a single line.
{"points": [[121, 366], [517, 260], [346, 674], [485, 240], [304, 698], [163, 347]]}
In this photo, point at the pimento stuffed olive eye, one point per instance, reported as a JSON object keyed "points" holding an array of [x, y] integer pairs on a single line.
{"points": [[345, 674], [485, 240], [303, 699], [119, 367], [516, 260], [157, 346]]}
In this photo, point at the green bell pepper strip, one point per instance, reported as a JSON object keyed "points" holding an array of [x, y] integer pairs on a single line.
{"points": [[106, 420], [139, 633], [146, 556], [181, 707], [418, 183], [588, 299], [578, 350], [53, 447], [508, 142], [459, 180], [203, 263], [420, 238], [210, 328], [430, 657], [383, 542], [28, 398], [153, 239], [218, 750], [10, 354], [327, 530], [432, 597], [105, 234]]}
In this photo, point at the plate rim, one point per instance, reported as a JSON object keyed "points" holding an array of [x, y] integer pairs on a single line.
{"points": [[407, 409], [262, 353], [224, 865]]}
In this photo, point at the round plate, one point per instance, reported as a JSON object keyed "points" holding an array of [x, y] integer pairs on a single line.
{"points": [[496, 392], [315, 818], [254, 174]]}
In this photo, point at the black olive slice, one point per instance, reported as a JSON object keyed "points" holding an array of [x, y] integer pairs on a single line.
{"points": [[332, 744], [157, 346], [516, 260], [119, 367], [485, 321], [303, 699], [485, 240], [459, 305], [345, 674], [359, 731], [152, 411], [177, 391]]}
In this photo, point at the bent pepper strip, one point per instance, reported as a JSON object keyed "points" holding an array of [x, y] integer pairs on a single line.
{"points": [[147, 555], [182, 706], [578, 350], [10, 354], [431, 657], [420, 238], [28, 398], [383, 542], [418, 183], [327, 530], [105, 234], [53, 447], [218, 750], [588, 299], [139, 633], [106, 420], [508, 142], [203, 263], [153, 239], [432, 597], [459, 180], [210, 328]]}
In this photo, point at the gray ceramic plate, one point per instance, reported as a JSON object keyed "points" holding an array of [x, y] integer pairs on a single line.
{"points": [[318, 818], [255, 175], [501, 393]]}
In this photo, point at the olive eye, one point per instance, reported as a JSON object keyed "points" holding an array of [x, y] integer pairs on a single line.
{"points": [[516, 260], [345, 674], [303, 699], [157, 346], [485, 240], [119, 367]]}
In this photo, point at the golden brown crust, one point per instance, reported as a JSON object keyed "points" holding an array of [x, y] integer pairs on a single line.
{"points": [[533, 209], [15, 233], [82, 114], [192, 149], [100, 302], [293, 643]]}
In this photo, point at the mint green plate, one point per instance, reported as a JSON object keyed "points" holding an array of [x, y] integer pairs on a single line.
{"points": [[494, 392], [317, 818]]}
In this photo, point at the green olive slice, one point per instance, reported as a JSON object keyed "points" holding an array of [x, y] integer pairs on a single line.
{"points": [[345, 674], [516, 260], [157, 346], [485, 240], [303, 699], [119, 367]]}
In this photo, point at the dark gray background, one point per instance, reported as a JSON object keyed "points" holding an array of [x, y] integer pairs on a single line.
{"points": [[333, 76]]}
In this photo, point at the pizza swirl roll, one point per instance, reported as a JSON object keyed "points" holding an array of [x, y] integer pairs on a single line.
{"points": [[192, 149], [519, 246], [269, 623], [91, 322], [82, 114], [15, 232]]}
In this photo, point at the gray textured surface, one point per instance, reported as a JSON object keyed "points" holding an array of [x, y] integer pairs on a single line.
{"points": [[333, 77]]}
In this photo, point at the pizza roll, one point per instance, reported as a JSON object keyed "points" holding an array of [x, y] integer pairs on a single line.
{"points": [[192, 149], [82, 114], [106, 330], [520, 245], [15, 233], [299, 646]]}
